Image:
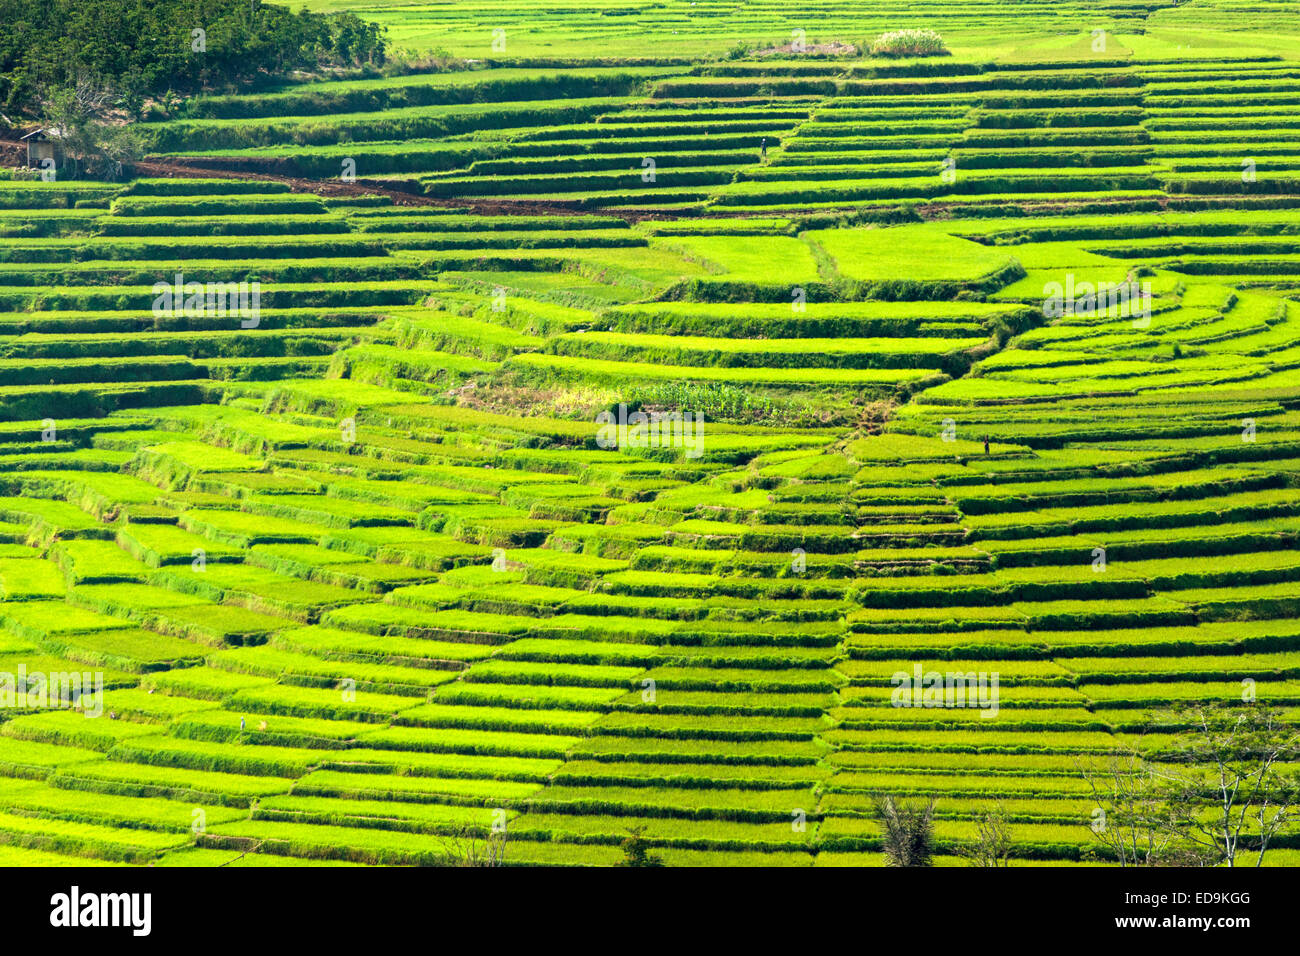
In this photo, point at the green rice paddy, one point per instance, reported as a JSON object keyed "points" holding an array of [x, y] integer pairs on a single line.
{"points": [[367, 574]]}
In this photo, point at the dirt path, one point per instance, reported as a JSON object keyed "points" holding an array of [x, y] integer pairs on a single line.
{"points": [[362, 187], [403, 197], [14, 152]]}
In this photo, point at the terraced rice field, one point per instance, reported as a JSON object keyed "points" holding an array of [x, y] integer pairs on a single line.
{"points": [[366, 574]]}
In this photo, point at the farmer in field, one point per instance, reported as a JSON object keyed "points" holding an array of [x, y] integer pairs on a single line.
{"points": [[986, 444], [762, 150]]}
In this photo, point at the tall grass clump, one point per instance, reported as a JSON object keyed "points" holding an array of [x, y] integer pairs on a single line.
{"points": [[908, 43]]}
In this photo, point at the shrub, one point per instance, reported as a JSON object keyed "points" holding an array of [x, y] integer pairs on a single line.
{"points": [[635, 852], [908, 43], [908, 831]]}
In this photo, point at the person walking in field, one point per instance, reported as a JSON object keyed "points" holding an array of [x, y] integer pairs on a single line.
{"points": [[986, 444], [762, 150]]}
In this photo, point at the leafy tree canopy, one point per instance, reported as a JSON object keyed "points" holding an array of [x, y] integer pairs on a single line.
{"points": [[147, 48]]}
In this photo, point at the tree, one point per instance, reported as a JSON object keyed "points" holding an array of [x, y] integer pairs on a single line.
{"points": [[1130, 820], [908, 831], [470, 846], [636, 850], [113, 149], [141, 48], [992, 844], [1217, 787], [1226, 783], [81, 116]]}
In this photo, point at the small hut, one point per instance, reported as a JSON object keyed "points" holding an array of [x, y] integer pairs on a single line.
{"points": [[42, 144]]}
